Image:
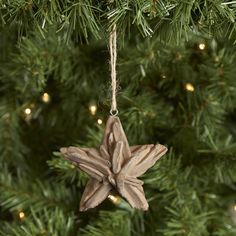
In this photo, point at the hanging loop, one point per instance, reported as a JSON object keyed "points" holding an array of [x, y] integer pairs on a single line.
{"points": [[113, 57], [114, 112]]}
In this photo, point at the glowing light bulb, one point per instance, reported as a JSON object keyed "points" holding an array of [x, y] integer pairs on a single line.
{"points": [[21, 215], [73, 165], [201, 46], [234, 207], [114, 199], [99, 121], [217, 59], [189, 87], [93, 109], [163, 76], [27, 111], [46, 97]]}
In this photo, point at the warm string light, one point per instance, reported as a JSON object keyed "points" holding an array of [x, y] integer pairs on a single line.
{"points": [[27, 114], [202, 46], [234, 207], [163, 76], [93, 109], [21, 215], [189, 87], [114, 199], [46, 98], [99, 121], [217, 59], [27, 111]]}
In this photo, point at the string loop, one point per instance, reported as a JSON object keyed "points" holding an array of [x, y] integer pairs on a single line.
{"points": [[113, 56], [114, 112]]}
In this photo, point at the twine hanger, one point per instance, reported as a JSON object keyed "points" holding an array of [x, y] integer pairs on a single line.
{"points": [[113, 57]]}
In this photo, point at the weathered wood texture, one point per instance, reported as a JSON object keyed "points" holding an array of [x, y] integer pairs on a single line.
{"points": [[114, 165]]}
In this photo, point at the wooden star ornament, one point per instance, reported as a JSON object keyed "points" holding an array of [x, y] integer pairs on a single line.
{"points": [[115, 165]]}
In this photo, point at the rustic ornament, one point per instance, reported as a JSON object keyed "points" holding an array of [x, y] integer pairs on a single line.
{"points": [[114, 166]]}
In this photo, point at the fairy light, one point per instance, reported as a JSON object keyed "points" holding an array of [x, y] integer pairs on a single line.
{"points": [[202, 46], [46, 97], [189, 87], [234, 207], [163, 76], [27, 111], [114, 199], [21, 215], [73, 165], [217, 59], [93, 109], [99, 121]]}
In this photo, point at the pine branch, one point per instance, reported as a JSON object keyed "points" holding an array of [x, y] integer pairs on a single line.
{"points": [[44, 222], [11, 145], [185, 221], [171, 19], [110, 224], [67, 172], [18, 193]]}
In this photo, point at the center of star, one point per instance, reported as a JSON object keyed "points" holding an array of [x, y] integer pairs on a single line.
{"points": [[112, 179]]}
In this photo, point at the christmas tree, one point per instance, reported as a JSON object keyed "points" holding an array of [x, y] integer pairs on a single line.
{"points": [[176, 75]]}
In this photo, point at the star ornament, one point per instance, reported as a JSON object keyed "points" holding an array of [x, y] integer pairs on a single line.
{"points": [[114, 166]]}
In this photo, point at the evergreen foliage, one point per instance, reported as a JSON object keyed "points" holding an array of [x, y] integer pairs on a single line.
{"points": [[176, 72]]}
